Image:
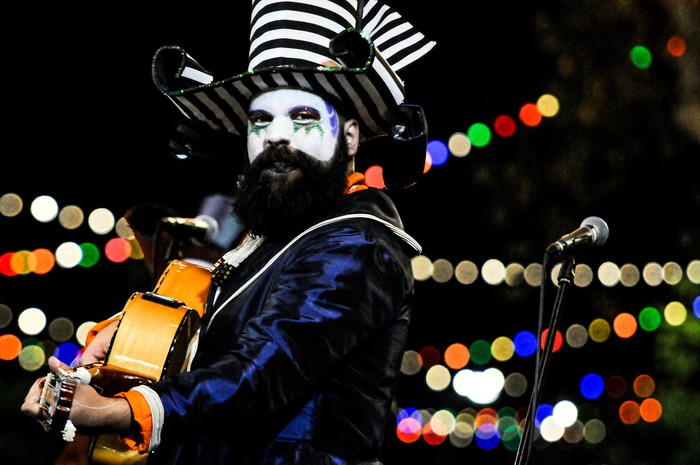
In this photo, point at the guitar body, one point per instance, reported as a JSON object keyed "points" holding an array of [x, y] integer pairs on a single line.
{"points": [[151, 342]]}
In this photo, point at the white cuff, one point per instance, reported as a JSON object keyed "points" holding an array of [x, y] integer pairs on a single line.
{"points": [[157, 413]]}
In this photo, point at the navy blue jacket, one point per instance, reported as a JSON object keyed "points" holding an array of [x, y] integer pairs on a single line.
{"points": [[301, 367]]}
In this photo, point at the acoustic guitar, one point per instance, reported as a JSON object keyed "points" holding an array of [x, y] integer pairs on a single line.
{"points": [[151, 342]]}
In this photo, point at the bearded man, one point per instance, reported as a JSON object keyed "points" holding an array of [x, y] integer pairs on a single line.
{"points": [[300, 346]]}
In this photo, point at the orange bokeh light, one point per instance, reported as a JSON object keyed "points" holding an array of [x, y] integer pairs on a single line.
{"points": [[629, 412], [41, 261], [676, 46], [644, 385], [530, 115], [625, 325], [456, 356], [650, 410], [18, 262], [10, 347]]}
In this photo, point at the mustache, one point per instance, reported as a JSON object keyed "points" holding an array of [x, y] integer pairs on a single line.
{"points": [[275, 155]]}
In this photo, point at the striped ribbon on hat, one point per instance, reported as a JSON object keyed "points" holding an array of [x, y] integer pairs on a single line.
{"points": [[290, 47]]}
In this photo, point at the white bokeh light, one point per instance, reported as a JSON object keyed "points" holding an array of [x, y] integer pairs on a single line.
{"points": [[32, 321], [68, 255], [101, 221], [438, 377], [550, 430], [565, 413], [44, 208], [493, 271], [482, 387]]}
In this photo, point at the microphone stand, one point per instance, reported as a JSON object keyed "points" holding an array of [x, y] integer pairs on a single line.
{"points": [[565, 280]]}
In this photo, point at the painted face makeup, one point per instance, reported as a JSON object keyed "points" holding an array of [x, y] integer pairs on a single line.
{"points": [[303, 120]]}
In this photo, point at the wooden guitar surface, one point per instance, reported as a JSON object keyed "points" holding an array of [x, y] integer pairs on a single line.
{"points": [[151, 341]]}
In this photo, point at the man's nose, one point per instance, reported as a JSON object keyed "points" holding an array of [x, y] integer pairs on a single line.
{"points": [[279, 131]]}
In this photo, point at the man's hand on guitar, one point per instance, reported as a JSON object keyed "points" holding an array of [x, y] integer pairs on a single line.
{"points": [[86, 408], [31, 405], [97, 349]]}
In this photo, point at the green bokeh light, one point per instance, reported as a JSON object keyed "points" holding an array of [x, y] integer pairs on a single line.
{"points": [[91, 254], [480, 351], [640, 57], [649, 319], [479, 134]]}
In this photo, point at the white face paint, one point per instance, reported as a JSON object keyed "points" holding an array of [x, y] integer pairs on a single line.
{"points": [[291, 116]]}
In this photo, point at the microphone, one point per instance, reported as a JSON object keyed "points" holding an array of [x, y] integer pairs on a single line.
{"points": [[201, 229], [593, 231], [216, 223], [219, 207]]}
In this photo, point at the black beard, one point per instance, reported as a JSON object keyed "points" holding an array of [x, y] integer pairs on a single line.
{"points": [[280, 205]]}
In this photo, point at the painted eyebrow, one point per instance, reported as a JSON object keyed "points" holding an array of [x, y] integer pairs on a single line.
{"points": [[312, 111], [253, 113]]}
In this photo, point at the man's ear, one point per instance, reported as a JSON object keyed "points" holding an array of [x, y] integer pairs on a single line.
{"points": [[351, 131]]}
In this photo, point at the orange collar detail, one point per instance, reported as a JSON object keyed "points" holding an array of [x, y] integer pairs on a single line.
{"points": [[355, 183]]}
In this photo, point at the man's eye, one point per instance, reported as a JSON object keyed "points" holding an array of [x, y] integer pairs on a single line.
{"points": [[305, 117], [259, 119]]}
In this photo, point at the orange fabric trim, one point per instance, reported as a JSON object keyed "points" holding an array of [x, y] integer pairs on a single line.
{"points": [[355, 183], [99, 327], [141, 413]]}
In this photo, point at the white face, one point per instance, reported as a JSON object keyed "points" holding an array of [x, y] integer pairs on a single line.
{"points": [[290, 116]]}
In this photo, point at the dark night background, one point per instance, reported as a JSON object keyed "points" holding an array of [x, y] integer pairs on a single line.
{"points": [[85, 124]]}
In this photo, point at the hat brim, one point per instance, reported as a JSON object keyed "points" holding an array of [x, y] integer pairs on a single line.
{"points": [[218, 110], [372, 94]]}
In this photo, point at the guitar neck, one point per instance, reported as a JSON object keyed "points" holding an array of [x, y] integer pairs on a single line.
{"points": [[56, 399]]}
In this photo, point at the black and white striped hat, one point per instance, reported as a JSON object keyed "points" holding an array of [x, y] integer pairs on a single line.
{"points": [[348, 50]]}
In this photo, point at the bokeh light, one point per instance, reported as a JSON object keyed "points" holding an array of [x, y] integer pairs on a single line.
{"points": [[530, 115], [118, 250], [438, 151], [90, 254], [71, 217], [504, 126], [11, 204], [69, 255], [44, 208], [41, 261], [640, 56], [479, 371], [31, 321], [459, 144], [479, 134], [676, 46], [101, 221]]}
